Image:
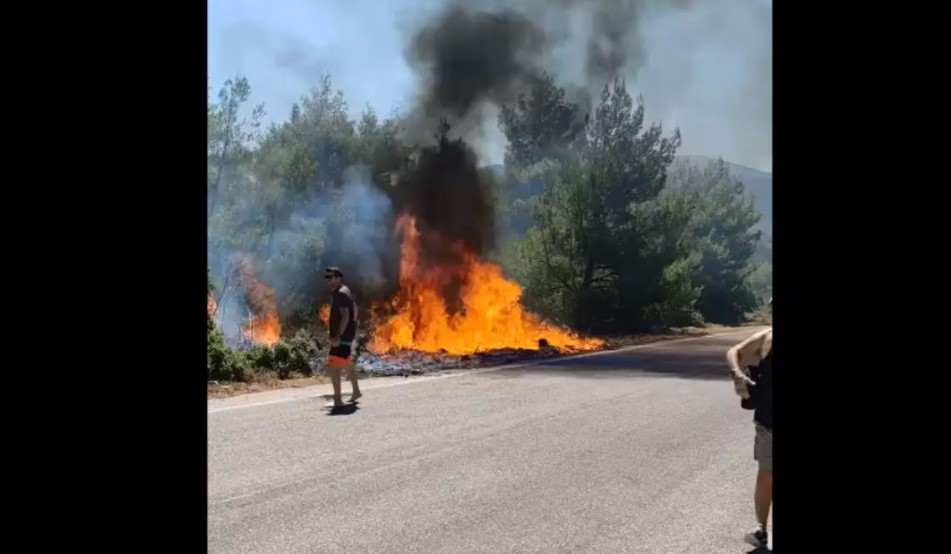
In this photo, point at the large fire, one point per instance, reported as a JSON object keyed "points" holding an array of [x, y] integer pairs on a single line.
{"points": [[212, 306], [264, 327], [490, 315]]}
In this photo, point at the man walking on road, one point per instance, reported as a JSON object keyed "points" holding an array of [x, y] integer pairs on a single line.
{"points": [[757, 393], [343, 330]]}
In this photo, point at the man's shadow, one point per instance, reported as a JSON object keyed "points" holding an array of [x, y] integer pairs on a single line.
{"points": [[346, 409], [760, 550]]}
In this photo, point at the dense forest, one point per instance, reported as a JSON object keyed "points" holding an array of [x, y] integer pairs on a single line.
{"points": [[603, 231]]}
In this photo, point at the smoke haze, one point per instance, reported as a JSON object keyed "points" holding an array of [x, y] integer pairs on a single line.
{"points": [[703, 66]]}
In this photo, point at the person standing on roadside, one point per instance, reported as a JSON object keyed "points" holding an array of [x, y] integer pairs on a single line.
{"points": [[343, 331], [751, 365]]}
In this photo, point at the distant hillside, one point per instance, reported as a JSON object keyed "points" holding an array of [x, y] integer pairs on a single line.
{"points": [[757, 182]]}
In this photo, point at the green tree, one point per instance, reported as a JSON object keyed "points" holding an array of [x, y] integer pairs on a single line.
{"points": [[722, 231], [599, 227], [229, 136], [541, 124]]}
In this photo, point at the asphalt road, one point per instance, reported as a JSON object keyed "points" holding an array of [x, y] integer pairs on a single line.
{"points": [[642, 451]]}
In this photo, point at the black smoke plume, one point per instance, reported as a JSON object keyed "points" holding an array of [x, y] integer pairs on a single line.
{"points": [[451, 200], [467, 61]]}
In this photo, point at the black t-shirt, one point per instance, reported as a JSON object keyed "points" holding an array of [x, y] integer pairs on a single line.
{"points": [[342, 298], [764, 392]]}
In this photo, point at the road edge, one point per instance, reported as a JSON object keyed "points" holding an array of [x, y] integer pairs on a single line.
{"points": [[256, 399]]}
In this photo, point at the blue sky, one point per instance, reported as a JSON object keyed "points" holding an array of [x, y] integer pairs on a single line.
{"points": [[708, 71]]}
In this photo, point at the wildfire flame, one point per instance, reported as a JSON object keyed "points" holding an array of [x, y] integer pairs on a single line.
{"points": [[212, 306], [325, 314], [264, 327], [265, 331], [490, 317]]}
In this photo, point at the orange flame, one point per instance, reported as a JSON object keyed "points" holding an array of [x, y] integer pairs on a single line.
{"points": [[212, 306], [264, 327], [325, 314], [491, 316], [265, 331]]}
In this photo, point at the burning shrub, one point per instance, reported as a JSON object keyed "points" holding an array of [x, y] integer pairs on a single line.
{"points": [[491, 315], [264, 326]]}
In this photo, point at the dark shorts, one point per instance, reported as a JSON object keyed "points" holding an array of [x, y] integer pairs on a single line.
{"points": [[341, 351]]}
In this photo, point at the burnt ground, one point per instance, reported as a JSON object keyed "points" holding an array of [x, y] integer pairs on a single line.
{"points": [[421, 363]]}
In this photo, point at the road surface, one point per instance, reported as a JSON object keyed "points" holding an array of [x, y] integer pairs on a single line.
{"points": [[640, 451]]}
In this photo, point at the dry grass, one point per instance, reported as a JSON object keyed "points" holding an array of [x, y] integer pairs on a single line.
{"points": [[714, 329], [266, 381], [761, 316]]}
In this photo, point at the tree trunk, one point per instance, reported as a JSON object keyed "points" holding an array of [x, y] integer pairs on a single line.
{"points": [[588, 278]]}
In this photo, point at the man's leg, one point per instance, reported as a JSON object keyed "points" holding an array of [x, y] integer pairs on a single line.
{"points": [[333, 371], [763, 495], [346, 353], [763, 498], [352, 376]]}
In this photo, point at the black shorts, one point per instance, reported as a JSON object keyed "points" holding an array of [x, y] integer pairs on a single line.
{"points": [[341, 351]]}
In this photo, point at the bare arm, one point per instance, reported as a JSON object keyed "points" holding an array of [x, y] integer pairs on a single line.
{"points": [[748, 352]]}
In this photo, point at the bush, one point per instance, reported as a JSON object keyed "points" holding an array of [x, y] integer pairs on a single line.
{"points": [[282, 354], [303, 349], [260, 358], [223, 363], [284, 358]]}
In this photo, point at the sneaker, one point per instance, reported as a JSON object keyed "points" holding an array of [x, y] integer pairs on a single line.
{"points": [[758, 538]]}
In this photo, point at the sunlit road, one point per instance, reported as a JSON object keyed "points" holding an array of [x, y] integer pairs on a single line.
{"points": [[645, 450]]}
